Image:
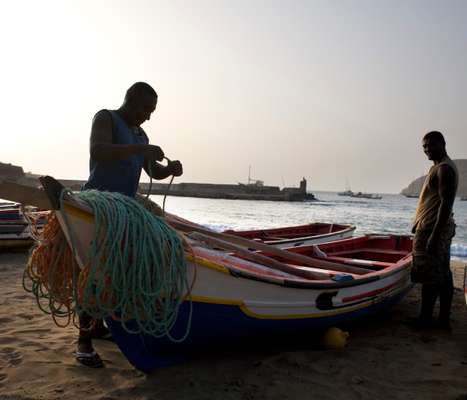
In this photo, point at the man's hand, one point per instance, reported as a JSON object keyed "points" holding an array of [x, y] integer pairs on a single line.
{"points": [[175, 167], [431, 246], [153, 153]]}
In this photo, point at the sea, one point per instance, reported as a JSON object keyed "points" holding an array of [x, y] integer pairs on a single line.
{"points": [[390, 215]]}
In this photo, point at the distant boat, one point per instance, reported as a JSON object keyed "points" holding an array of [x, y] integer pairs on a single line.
{"points": [[345, 193], [348, 192], [464, 198], [372, 196], [360, 195], [252, 183], [412, 196]]}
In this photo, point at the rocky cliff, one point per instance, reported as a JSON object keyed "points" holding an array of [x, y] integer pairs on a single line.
{"points": [[414, 188]]}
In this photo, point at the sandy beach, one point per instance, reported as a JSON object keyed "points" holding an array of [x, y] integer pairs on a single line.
{"points": [[384, 359]]}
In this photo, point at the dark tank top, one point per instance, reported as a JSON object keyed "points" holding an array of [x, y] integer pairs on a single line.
{"points": [[121, 175], [430, 200]]}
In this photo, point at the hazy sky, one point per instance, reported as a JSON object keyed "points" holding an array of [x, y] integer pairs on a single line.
{"points": [[326, 89]]}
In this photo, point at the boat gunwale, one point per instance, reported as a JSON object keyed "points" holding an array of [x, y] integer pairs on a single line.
{"points": [[347, 229], [351, 228], [323, 284]]}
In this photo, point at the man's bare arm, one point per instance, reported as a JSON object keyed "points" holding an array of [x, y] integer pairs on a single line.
{"points": [[102, 148]]}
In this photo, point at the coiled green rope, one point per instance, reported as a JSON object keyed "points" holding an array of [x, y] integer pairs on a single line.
{"points": [[135, 269]]}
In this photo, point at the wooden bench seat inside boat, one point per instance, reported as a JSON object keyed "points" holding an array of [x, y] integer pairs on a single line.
{"points": [[384, 256], [372, 265]]}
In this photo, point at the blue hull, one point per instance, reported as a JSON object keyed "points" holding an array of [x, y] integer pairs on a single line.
{"points": [[216, 324]]}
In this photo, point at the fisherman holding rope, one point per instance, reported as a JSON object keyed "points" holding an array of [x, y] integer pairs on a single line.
{"points": [[119, 150]]}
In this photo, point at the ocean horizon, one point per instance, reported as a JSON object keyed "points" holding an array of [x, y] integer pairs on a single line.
{"points": [[392, 214]]}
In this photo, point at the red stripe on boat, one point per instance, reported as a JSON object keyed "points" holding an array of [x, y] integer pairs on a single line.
{"points": [[367, 294]]}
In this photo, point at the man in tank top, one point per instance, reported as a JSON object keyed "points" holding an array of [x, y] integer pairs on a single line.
{"points": [[119, 150], [434, 229]]}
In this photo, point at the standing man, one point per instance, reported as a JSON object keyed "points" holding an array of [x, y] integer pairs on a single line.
{"points": [[119, 150], [434, 229]]}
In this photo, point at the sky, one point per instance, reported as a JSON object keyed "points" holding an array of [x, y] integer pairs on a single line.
{"points": [[328, 90]]}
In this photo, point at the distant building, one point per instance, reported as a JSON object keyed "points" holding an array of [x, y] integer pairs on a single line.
{"points": [[9, 171]]}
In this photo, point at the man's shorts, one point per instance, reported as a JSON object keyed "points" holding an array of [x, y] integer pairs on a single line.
{"points": [[428, 268]]}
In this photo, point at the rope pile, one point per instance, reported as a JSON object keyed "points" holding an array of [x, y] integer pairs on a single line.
{"points": [[49, 273], [135, 268]]}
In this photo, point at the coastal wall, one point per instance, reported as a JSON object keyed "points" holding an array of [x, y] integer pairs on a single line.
{"points": [[202, 190], [226, 191], [414, 188], [216, 191]]}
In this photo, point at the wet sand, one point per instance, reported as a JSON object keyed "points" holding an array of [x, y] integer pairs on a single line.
{"points": [[384, 359]]}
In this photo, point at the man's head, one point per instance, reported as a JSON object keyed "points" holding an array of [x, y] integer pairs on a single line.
{"points": [[434, 145], [140, 102]]}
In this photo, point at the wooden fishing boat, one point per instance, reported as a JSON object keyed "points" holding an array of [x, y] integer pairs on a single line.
{"points": [[8, 205], [15, 214], [16, 244], [301, 235], [12, 227], [10, 214], [18, 237], [238, 294], [15, 228]]}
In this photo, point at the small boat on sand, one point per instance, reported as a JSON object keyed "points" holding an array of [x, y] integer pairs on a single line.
{"points": [[12, 227], [7, 205], [10, 214], [301, 235], [15, 227], [239, 294], [16, 241]]}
